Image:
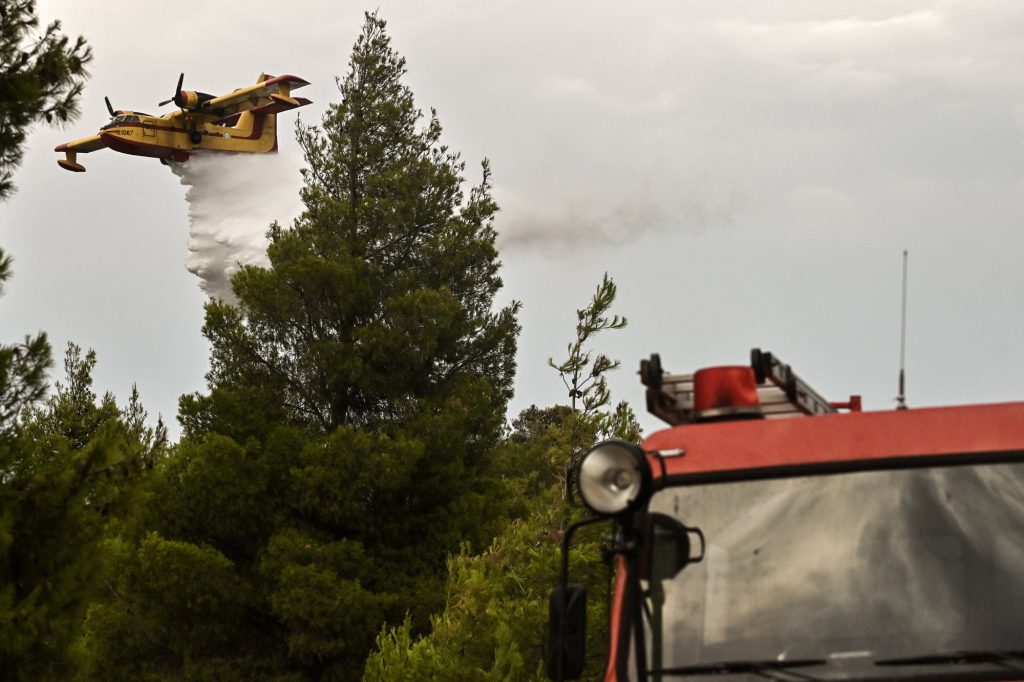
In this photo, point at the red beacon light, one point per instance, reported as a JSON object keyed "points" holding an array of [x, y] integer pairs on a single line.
{"points": [[728, 392]]}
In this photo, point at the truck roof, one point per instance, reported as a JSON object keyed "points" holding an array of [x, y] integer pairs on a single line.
{"points": [[755, 448]]}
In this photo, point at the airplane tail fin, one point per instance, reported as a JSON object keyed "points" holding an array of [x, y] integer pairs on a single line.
{"points": [[270, 120], [260, 128]]}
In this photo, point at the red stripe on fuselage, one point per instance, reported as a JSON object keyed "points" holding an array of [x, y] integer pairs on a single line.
{"points": [[136, 147], [257, 129]]}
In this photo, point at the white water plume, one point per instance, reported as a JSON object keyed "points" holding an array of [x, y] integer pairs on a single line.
{"points": [[232, 200]]}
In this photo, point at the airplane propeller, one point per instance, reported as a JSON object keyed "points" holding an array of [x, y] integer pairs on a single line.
{"points": [[177, 93], [109, 108]]}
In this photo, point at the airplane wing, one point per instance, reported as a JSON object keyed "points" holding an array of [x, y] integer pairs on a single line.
{"points": [[83, 146], [72, 149], [267, 92]]}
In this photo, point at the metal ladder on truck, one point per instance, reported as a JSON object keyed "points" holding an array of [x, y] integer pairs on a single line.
{"points": [[780, 392]]}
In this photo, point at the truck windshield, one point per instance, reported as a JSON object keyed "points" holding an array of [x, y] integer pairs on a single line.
{"points": [[866, 575]]}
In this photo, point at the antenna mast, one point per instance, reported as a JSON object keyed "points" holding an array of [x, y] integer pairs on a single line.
{"points": [[901, 399]]}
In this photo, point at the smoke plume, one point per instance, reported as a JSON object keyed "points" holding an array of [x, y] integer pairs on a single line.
{"points": [[232, 200], [579, 218]]}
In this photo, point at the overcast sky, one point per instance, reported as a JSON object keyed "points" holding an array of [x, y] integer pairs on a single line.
{"points": [[748, 173]]}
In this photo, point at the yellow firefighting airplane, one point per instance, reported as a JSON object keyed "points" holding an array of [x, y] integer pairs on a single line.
{"points": [[243, 121]]}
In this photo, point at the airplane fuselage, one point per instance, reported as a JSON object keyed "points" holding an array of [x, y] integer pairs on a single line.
{"points": [[162, 138]]}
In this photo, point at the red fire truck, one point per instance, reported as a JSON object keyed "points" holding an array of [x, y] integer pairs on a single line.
{"points": [[772, 534]]}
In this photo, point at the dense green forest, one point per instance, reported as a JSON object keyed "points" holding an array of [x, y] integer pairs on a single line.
{"points": [[349, 498]]}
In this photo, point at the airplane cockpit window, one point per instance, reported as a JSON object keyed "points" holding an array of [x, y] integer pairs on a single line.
{"points": [[120, 119]]}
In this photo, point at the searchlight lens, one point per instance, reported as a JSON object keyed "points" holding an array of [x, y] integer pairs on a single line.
{"points": [[614, 477]]}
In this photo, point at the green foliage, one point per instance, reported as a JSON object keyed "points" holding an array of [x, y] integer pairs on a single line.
{"points": [[320, 598], [495, 615], [68, 475], [532, 455], [583, 374], [22, 370], [194, 587], [187, 600], [41, 78], [214, 492], [72, 416], [174, 599], [356, 399], [493, 625]]}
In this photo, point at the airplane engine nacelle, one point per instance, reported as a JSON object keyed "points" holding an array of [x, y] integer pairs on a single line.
{"points": [[190, 99]]}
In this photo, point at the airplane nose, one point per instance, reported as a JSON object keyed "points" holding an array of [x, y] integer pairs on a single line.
{"points": [[116, 141]]}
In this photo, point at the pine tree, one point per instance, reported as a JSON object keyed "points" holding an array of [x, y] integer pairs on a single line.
{"points": [[41, 79], [22, 370], [495, 615], [380, 297], [357, 392], [69, 471], [66, 469]]}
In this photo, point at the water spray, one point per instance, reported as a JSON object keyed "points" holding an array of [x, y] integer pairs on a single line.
{"points": [[232, 200]]}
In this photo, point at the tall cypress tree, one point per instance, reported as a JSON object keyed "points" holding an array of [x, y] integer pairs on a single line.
{"points": [[356, 392]]}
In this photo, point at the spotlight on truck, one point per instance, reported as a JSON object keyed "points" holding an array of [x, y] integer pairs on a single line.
{"points": [[614, 478]]}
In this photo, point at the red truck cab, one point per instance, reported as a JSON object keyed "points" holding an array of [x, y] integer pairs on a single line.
{"points": [[770, 534]]}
